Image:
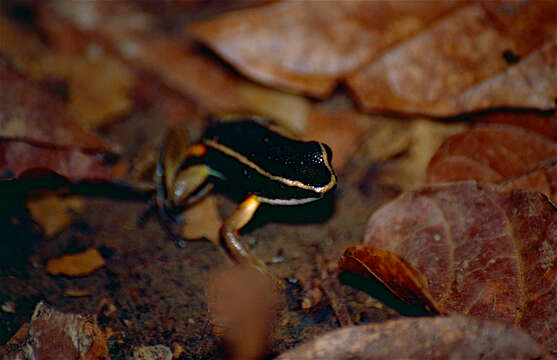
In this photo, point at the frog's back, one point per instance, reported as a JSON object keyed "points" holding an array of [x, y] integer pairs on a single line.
{"points": [[277, 154], [273, 165]]}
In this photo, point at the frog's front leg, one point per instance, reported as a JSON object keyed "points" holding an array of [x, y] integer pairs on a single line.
{"points": [[188, 188], [230, 237]]}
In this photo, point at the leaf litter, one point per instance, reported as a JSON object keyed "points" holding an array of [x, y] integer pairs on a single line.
{"points": [[482, 249], [188, 70]]}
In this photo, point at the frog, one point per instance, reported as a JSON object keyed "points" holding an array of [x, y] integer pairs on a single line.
{"points": [[264, 164]]}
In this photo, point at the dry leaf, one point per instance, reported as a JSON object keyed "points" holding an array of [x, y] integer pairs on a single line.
{"points": [[53, 212], [489, 153], [202, 221], [484, 251], [542, 179], [55, 335], [155, 352], [18, 158], [534, 121], [53, 142], [306, 46], [454, 337], [140, 42], [290, 111], [80, 264], [340, 127], [182, 67], [458, 65], [99, 85], [19, 44], [28, 113], [408, 147], [401, 278]]}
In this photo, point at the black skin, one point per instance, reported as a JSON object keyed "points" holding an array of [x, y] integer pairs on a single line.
{"points": [[281, 156]]}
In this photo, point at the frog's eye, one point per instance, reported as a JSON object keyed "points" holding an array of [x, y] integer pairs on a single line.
{"points": [[329, 152]]}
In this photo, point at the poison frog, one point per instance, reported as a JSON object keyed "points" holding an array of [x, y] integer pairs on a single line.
{"points": [[268, 167]]}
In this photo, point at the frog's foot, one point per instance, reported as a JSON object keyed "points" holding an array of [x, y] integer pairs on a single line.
{"points": [[231, 239]]}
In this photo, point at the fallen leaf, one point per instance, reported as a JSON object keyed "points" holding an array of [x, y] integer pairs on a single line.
{"points": [[542, 179], [16, 341], [99, 86], [19, 44], [489, 153], [401, 278], [242, 303], [55, 335], [154, 352], [340, 127], [542, 123], [203, 221], [138, 41], [465, 68], [307, 47], [30, 114], [177, 350], [183, 67], [17, 158], [80, 264], [290, 111], [484, 251], [167, 104], [52, 212], [407, 148], [454, 337]]}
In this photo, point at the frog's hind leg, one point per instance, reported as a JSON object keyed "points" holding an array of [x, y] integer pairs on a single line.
{"points": [[231, 239]]}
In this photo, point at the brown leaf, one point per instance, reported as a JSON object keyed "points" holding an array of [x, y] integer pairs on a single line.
{"points": [[542, 179], [401, 278], [489, 153], [80, 264], [96, 85], [184, 68], [154, 352], [178, 63], [454, 337], [55, 335], [19, 44], [458, 64], [17, 158], [542, 123], [202, 221], [306, 47], [405, 149], [242, 303], [53, 212], [99, 86], [30, 114], [340, 127], [484, 251]]}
